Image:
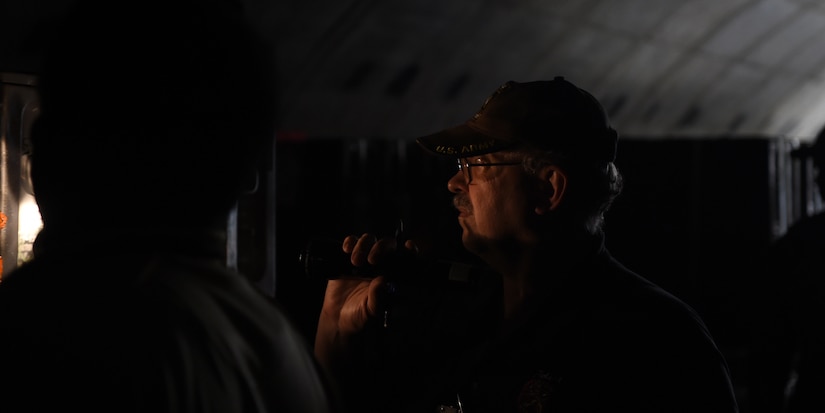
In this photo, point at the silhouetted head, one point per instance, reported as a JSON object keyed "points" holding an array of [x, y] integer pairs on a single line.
{"points": [[153, 112]]}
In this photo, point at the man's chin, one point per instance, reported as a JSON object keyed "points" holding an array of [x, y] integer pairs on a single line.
{"points": [[473, 243]]}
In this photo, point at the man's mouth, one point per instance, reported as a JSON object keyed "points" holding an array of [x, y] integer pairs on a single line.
{"points": [[462, 204]]}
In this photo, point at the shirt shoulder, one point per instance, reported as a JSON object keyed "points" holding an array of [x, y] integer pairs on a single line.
{"points": [[173, 331]]}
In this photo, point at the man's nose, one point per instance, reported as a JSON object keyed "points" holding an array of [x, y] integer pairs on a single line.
{"points": [[458, 183]]}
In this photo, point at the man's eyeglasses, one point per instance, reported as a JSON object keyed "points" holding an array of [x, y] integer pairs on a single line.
{"points": [[465, 166]]}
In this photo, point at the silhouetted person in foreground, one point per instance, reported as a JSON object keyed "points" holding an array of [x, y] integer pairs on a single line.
{"points": [[787, 362], [567, 328], [154, 117]]}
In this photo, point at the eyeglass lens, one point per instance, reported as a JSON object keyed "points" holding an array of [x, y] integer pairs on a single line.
{"points": [[465, 167]]}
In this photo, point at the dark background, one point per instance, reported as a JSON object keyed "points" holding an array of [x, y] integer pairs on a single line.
{"points": [[695, 215], [696, 212]]}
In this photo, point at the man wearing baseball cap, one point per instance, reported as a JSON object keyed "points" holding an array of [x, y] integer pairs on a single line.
{"points": [[571, 328]]}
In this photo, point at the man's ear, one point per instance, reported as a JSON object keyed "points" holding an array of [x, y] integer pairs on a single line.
{"points": [[250, 181], [554, 183]]}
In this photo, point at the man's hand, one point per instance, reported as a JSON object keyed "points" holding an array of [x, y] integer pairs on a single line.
{"points": [[352, 306]]}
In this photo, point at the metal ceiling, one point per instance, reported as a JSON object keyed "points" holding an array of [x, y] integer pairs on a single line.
{"points": [[687, 68], [662, 68]]}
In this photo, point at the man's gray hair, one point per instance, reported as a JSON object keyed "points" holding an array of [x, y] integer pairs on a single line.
{"points": [[596, 183]]}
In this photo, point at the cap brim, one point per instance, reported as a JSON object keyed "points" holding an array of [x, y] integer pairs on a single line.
{"points": [[461, 141]]}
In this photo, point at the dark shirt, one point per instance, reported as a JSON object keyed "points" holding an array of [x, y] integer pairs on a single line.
{"points": [[787, 313], [146, 322], [602, 340]]}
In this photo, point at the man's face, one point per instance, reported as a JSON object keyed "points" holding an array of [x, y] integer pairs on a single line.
{"points": [[492, 194]]}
